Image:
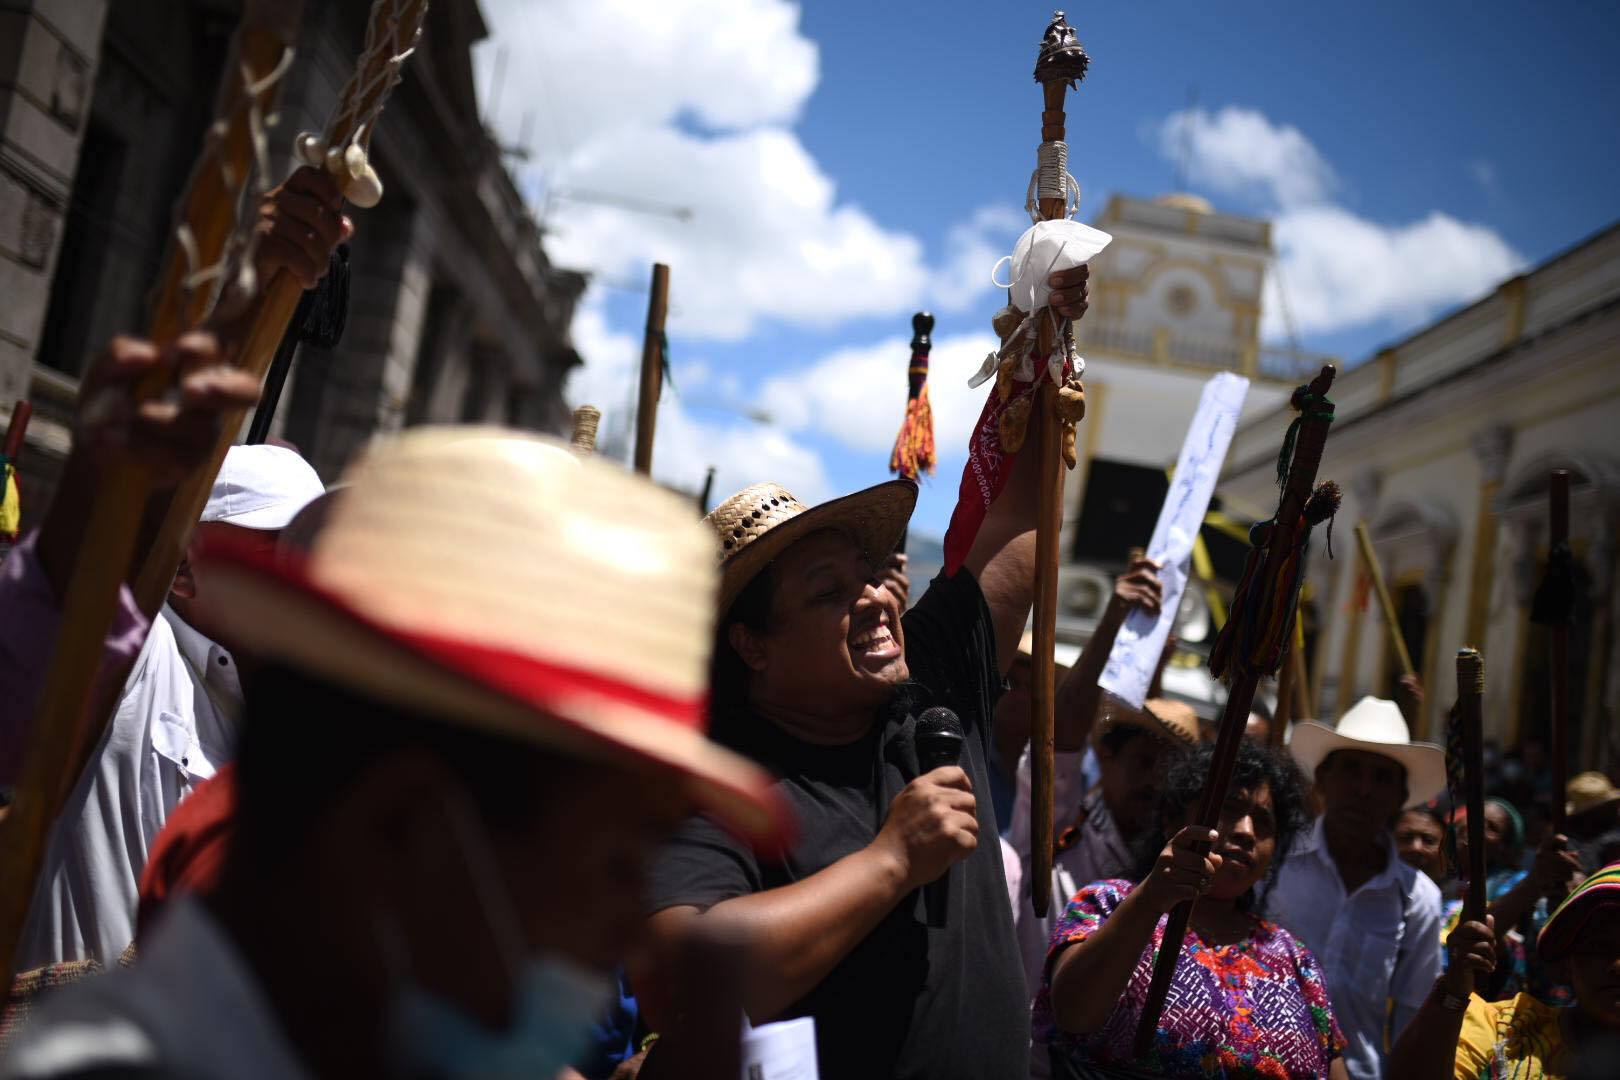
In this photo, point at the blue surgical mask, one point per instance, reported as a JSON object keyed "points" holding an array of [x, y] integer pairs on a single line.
{"points": [[555, 1002]]}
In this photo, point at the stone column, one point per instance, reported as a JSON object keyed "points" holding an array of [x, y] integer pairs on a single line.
{"points": [[1493, 446]]}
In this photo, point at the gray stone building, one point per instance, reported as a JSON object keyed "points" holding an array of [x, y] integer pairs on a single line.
{"points": [[455, 312]]}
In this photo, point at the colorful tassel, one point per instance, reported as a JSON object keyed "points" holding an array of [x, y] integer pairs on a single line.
{"points": [[914, 447]]}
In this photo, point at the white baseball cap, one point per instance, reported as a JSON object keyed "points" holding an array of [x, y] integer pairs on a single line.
{"points": [[261, 487]]}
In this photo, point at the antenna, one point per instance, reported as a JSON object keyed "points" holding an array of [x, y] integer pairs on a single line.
{"points": [[497, 81], [1184, 162]]}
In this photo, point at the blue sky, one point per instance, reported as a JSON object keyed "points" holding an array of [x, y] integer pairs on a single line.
{"points": [[846, 163]]}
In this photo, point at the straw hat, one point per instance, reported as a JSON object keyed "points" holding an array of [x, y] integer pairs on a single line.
{"points": [[571, 605], [761, 521], [1589, 791], [1174, 723], [1377, 727]]}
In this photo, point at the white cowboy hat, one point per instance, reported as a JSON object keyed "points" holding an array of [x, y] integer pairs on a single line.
{"points": [[496, 580], [761, 521], [1377, 727]]}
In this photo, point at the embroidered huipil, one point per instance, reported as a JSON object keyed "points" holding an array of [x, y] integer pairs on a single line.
{"points": [[1256, 1008]]}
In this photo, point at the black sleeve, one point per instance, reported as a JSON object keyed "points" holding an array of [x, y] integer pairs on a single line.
{"points": [[699, 866], [951, 648]]}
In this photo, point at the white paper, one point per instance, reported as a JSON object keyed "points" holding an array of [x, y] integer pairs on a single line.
{"points": [[1136, 652], [784, 1051]]}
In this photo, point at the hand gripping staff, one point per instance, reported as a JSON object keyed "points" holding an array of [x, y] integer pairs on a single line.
{"points": [[209, 243], [1252, 642]]}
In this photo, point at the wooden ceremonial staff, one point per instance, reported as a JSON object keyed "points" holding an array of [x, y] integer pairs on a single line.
{"points": [[652, 368], [1061, 64], [1470, 695], [1391, 623], [391, 35], [206, 216], [64, 733], [1253, 655], [1558, 648]]}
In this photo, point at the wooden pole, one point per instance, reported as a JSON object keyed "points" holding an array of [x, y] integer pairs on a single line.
{"points": [[255, 347], [1061, 63], [1391, 623], [652, 368], [586, 420], [17, 429], [1470, 694], [1558, 656], [207, 212], [1246, 673], [1284, 713]]}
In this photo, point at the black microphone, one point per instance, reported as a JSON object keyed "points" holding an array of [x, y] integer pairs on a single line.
{"points": [[938, 739]]}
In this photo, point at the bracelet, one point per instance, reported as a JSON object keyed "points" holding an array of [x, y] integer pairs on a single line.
{"points": [[1449, 1001]]}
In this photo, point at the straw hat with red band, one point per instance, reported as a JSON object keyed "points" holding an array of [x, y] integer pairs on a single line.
{"points": [[569, 603], [761, 521]]}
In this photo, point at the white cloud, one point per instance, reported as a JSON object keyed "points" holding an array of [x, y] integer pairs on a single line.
{"points": [[1335, 270], [692, 111], [1240, 152], [742, 451], [972, 248], [768, 239], [857, 397], [1341, 271], [1484, 174]]}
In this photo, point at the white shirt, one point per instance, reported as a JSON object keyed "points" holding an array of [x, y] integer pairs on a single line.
{"points": [[1087, 861], [191, 1005], [175, 723], [1378, 944]]}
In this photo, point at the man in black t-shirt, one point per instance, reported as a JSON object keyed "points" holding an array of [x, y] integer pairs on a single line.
{"points": [[819, 677]]}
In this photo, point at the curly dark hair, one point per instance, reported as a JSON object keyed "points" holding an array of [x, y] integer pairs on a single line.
{"points": [[1183, 784]]}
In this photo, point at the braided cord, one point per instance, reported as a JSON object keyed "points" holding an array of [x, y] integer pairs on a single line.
{"points": [[1052, 180]]}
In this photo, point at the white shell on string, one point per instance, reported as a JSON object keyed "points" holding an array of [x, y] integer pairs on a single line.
{"points": [[365, 190], [354, 160], [311, 150]]}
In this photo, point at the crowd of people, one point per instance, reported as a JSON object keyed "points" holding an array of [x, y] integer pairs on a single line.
{"points": [[493, 761]]}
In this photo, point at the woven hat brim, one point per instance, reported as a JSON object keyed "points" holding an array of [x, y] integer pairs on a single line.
{"points": [[277, 612], [875, 517], [1312, 741]]}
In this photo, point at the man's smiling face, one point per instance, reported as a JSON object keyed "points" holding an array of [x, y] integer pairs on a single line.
{"points": [[835, 645]]}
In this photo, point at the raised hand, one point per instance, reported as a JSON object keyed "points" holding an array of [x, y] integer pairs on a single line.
{"points": [[1472, 949], [1182, 872], [172, 433], [1139, 586], [1556, 866], [299, 225], [1071, 291]]}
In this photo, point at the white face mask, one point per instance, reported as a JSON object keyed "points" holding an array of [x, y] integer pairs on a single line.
{"points": [[1045, 249], [556, 1002]]}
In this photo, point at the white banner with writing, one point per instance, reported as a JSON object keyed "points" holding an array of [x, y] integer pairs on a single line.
{"points": [[1135, 656]]}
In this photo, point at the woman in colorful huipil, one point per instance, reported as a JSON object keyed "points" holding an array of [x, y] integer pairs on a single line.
{"points": [[1247, 999], [1463, 1036]]}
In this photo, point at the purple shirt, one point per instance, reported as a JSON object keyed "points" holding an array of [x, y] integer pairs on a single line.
{"points": [[1257, 1008], [29, 618]]}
